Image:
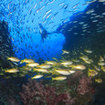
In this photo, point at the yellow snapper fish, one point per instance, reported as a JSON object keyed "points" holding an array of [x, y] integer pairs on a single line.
{"points": [[103, 68], [32, 64], [101, 59], [50, 62], [72, 71], [101, 63], [65, 52], [92, 73], [86, 59], [37, 76], [63, 72], [55, 59], [89, 61], [27, 61], [78, 67], [75, 60], [98, 69], [44, 66], [88, 51], [26, 68], [40, 70], [98, 80], [59, 78], [13, 59], [66, 63], [13, 70]]}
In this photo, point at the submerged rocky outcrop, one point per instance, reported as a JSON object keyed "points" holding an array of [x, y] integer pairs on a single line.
{"points": [[5, 45], [85, 28]]}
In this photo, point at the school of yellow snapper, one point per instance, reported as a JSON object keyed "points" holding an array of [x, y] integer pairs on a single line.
{"points": [[60, 70]]}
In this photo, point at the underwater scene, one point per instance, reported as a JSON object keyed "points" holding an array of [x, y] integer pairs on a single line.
{"points": [[52, 52]]}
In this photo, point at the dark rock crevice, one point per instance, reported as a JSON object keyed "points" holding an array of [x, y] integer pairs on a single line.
{"points": [[5, 45]]}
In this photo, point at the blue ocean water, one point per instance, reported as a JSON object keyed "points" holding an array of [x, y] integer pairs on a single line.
{"points": [[24, 17]]}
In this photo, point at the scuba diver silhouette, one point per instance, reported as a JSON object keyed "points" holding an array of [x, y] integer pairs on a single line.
{"points": [[43, 32]]}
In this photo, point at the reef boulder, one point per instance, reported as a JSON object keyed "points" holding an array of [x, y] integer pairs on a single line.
{"points": [[5, 45]]}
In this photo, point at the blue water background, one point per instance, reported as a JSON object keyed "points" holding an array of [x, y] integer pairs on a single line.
{"points": [[24, 17]]}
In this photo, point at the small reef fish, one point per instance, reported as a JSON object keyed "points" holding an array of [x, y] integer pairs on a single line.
{"points": [[75, 60], [37, 76], [13, 59], [97, 68], [50, 62], [27, 61], [103, 68], [89, 61], [98, 80], [78, 67], [13, 70], [88, 51], [55, 59], [101, 59], [92, 73], [101, 63], [65, 52], [59, 78], [63, 72], [86, 59], [71, 71], [40, 70], [26, 68], [90, 11], [32, 64], [66, 63], [44, 66]]}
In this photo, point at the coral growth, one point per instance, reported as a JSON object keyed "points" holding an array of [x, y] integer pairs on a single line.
{"points": [[81, 87], [76, 90], [36, 93], [84, 85]]}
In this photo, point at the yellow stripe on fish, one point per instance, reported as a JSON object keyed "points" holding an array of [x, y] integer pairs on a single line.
{"points": [[78, 67], [13, 59], [27, 61], [92, 73], [44, 66], [40, 70], [37, 76], [63, 72], [32, 64], [13, 70], [59, 78]]}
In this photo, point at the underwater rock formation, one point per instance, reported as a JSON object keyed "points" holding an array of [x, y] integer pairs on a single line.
{"points": [[36, 93], [75, 91], [9, 91], [5, 41], [5, 44], [84, 25]]}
